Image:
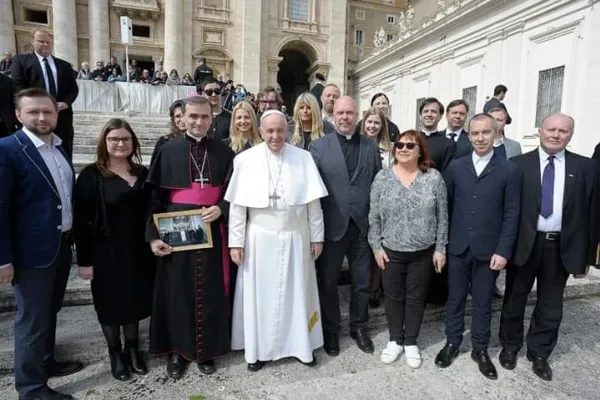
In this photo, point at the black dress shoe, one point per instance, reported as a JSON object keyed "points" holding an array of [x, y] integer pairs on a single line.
{"points": [[257, 366], [362, 339], [508, 359], [446, 355], [540, 367], [331, 344], [118, 365], [486, 367], [375, 300], [207, 367], [55, 369], [46, 394], [135, 361], [176, 366]]}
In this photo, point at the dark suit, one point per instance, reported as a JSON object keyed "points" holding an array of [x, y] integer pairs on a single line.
{"points": [[496, 103], [441, 149], [8, 120], [345, 212], [549, 257], [484, 217], [26, 73], [31, 240], [463, 144]]}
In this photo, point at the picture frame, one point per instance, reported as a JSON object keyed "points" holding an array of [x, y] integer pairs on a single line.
{"points": [[184, 230]]}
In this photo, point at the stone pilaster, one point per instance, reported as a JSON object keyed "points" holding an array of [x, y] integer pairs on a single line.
{"points": [[337, 51], [174, 40], [98, 15], [251, 43], [7, 27], [64, 23]]}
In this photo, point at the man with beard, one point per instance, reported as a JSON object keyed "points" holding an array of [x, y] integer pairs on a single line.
{"points": [[211, 91], [41, 69], [330, 94], [36, 191], [190, 317]]}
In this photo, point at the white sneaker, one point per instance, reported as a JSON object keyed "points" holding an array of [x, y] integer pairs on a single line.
{"points": [[391, 353], [413, 356]]}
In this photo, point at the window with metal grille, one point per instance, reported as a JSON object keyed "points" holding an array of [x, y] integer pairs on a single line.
{"points": [[298, 10], [469, 95], [549, 95], [418, 114]]}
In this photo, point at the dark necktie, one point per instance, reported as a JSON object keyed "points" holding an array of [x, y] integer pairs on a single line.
{"points": [[548, 189], [452, 136], [50, 75]]}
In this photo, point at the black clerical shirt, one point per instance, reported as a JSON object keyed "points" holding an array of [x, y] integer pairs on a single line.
{"points": [[219, 130], [351, 150], [198, 152]]}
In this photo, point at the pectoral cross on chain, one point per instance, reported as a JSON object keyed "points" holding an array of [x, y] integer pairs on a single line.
{"points": [[202, 179], [274, 197]]}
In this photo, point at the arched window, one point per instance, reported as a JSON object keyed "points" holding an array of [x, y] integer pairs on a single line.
{"points": [[298, 10]]}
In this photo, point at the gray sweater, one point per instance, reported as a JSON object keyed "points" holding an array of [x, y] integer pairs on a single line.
{"points": [[408, 219]]}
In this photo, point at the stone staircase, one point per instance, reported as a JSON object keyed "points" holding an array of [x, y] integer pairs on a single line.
{"points": [[147, 127]]}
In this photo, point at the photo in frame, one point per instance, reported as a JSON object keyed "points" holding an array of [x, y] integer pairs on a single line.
{"points": [[184, 230]]}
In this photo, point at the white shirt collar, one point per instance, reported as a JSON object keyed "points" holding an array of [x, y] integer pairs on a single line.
{"points": [[41, 58], [37, 142], [194, 138], [500, 142], [560, 156], [458, 131], [484, 159], [428, 133]]}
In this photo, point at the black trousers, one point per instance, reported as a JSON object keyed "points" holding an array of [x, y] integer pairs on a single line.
{"points": [[64, 130], [544, 264], [464, 271], [355, 247], [405, 282], [39, 293]]}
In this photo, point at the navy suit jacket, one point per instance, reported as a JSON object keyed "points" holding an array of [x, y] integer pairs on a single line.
{"points": [[484, 210], [30, 206]]}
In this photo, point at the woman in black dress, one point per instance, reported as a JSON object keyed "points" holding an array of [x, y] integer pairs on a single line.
{"points": [[109, 222]]}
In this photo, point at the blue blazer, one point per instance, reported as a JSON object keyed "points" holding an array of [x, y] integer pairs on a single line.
{"points": [[484, 211], [30, 206]]}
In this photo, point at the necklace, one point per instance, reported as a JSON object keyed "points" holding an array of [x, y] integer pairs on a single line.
{"points": [[274, 196], [202, 179]]}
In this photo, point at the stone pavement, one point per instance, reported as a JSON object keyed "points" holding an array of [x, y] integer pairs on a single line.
{"points": [[355, 375]]}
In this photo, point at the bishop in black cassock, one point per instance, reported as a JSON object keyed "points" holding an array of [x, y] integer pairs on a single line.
{"points": [[191, 309]]}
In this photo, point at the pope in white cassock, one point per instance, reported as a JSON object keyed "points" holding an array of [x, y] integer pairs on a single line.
{"points": [[276, 233]]}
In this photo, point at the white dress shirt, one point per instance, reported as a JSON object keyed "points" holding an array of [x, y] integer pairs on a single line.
{"points": [[554, 222], [52, 67], [481, 162], [458, 133]]}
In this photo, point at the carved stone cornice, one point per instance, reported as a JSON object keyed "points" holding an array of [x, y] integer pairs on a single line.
{"points": [[138, 9]]}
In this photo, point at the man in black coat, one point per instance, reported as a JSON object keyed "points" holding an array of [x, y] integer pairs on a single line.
{"points": [[497, 102], [442, 149], [8, 119], [456, 116], [483, 204], [558, 235], [41, 69]]}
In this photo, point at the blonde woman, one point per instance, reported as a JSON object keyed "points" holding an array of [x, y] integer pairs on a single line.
{"points": [[307, 124], [374, 125], [243, 130]]}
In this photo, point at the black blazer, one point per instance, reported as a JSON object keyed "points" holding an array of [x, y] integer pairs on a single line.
{"points": [[441, 150], [580, 228], [26, 73], [348, 197], [463, 145], [484, 210], [7, 106]]}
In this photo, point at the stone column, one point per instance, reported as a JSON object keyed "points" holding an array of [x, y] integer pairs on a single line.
{"points": [[173, 41], [7, 28], [337, 51], [99, 31], [251, 45], [64, 23]]}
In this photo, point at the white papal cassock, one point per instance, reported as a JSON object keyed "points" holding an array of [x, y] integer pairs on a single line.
{"points": [[276, 310]]}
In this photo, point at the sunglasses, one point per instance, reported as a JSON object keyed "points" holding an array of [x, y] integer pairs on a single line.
{"points": [[409, 145], [212, 92]]}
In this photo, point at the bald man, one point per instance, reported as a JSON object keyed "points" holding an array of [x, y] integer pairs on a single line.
{"points": [[557, 239], [348, 163]]}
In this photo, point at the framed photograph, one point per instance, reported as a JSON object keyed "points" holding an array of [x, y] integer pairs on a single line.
{"points": [[184, 230]]}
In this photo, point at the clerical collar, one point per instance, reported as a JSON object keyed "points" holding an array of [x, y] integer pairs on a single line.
{"points": [[428, 133], [195, 139], [348, 137]]}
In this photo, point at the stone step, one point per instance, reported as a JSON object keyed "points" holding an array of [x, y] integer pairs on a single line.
{"points": [[79, 335]]}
